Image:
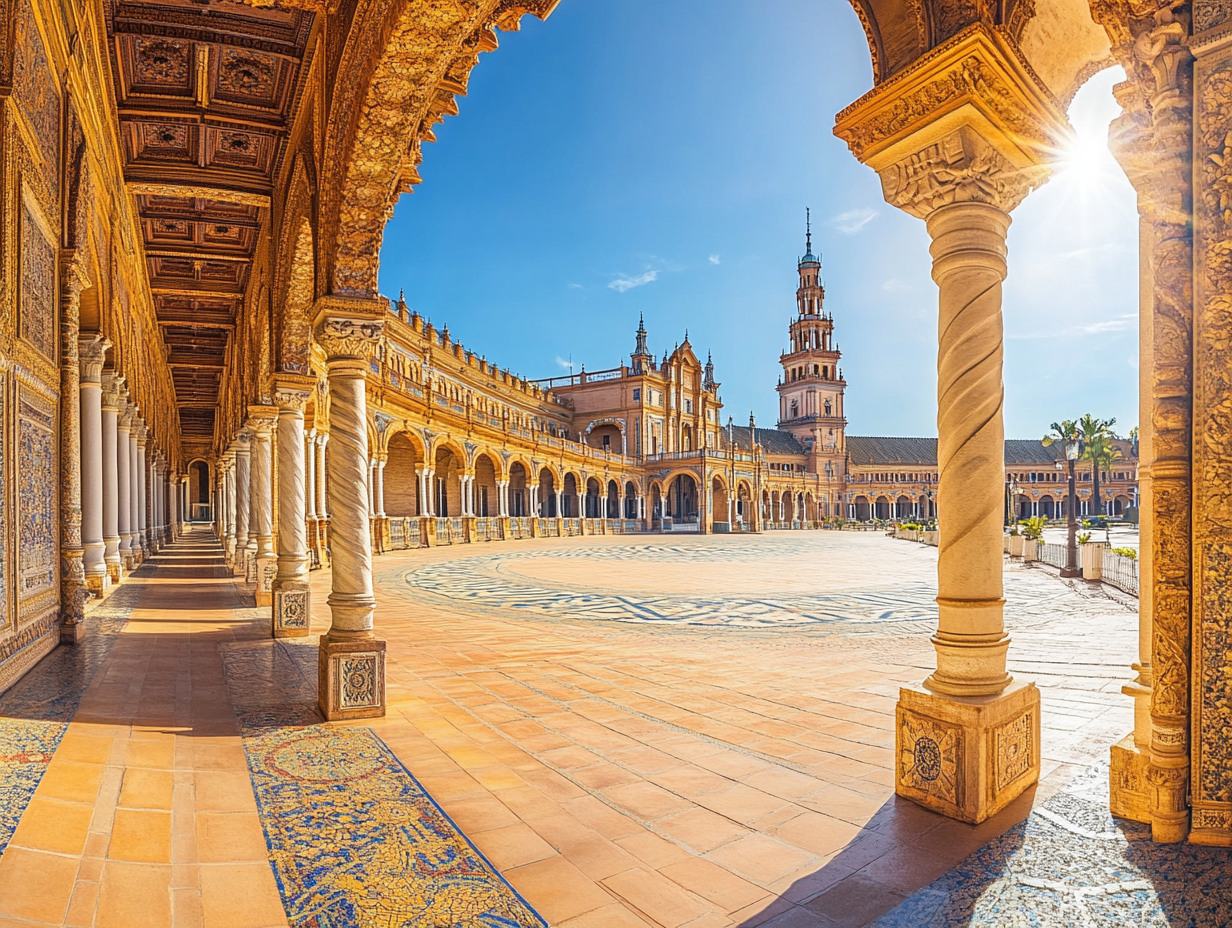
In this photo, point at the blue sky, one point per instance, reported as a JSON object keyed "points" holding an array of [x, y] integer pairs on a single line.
{"points": [[657, 156]]}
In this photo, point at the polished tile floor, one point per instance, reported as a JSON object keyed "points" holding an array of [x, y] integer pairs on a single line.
{"points": [[629, 731]]}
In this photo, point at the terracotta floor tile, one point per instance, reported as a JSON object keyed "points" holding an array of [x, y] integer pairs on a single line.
{"points": [[240, 896], [146, 789], [653, 894], [651, 850], [701, 829], [609, 916], [159, 755], [512, 846], [558, 890], [140, 835], [647, 801], [760, 858], [223, 791], [54, 825], [712, 882], [70, 780], [35, 885], [134, 896]]}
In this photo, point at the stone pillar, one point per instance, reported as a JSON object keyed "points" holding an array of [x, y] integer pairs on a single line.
{"points": [[173, 518], [372, 485], [93, 350], [243, 508], [310, 468], [73, 589], [139, 478], [113, 388], [968, 739], [352, 660], [229, 543], [261, 421], [124, 481], [322, 502], [291, 612]]}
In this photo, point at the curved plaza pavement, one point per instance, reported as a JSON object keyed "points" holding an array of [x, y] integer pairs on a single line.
{"points": [[602, 731]]}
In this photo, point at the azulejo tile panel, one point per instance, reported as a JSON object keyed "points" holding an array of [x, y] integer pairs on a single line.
{"points": [[38, 525], [1071, 863], [354, 839]]}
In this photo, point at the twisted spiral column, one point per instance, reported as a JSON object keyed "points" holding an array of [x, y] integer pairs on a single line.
{"points": [[969, 264], [261, 526], [292, 480], [351, 600]]}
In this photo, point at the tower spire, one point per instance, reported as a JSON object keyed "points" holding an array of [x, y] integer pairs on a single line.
{"points": [[808, 231]]}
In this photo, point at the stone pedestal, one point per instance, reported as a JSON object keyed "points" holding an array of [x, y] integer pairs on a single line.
{"points": [[292, 609], [72, 634], [1130, 790], [967, 757], [265, 569], [352, 678]]}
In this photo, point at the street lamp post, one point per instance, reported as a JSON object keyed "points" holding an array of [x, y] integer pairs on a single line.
{"points": [[1073, 448]]}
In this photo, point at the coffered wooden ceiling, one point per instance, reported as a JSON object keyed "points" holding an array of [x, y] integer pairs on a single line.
{"points": [[205, 93]]}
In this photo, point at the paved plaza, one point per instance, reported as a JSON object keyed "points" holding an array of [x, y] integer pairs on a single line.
{"points": [[603, 731]]}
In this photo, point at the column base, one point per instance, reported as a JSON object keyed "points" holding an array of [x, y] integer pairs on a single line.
{"points": [[249, 563], [351, 678], [967, 757], [115, 571], [99, 585], [72, 634], [266, 570], [292, 610], [1130, 791]]}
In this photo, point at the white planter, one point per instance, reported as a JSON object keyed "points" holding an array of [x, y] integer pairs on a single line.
{"points": [[1016, 545]]}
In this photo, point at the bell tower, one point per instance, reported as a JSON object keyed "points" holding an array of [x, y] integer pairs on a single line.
{"points": [[812, 386]]}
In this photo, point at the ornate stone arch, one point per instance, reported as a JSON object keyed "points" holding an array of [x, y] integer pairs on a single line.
{"points": [[410, 58]]}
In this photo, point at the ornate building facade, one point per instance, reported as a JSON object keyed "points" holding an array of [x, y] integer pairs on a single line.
{"points": [[192, 204]]}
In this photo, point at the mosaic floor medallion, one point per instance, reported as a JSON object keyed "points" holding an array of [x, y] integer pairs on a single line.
{"points": [[354, 839]]}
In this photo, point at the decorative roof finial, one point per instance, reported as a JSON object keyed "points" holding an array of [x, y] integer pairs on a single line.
{"points": [[808, 231]]}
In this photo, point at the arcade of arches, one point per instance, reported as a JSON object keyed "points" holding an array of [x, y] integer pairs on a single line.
{"points": [[194, 197]]}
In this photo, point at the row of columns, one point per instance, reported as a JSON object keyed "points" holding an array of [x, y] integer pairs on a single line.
{"points": [[126, 489]]}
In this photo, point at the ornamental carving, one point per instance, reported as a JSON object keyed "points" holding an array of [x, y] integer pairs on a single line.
{"points": [[357, 681], [960, 168], [343, 337], [37, 515], [245, 73], [1014, 750], [37, 318], [161, 61], [36, 94], [930, 758]]}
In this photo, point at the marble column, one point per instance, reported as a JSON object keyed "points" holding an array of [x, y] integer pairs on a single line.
{"points": [[73, 589], [310, 467], [229, 542], [261, 421], [112, 398], [124, 481], [291, 613], [968, 738], [93, 351], [139, 477], [352, 659], [372, 485], [380, 487], [173, 525], [243, 509], [322, 502]]}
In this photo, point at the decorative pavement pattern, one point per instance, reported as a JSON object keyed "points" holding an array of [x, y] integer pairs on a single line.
{"points": [[487, 584], [354, 839], [35, 713], [1070, 863]]}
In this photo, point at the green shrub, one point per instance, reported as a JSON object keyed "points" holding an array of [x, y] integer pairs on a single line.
{"points": [[1033, 528], [1125, 552], [1084, 537]]}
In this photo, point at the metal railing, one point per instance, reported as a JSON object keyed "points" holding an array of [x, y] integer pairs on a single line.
{"points": [[1121, 572]]}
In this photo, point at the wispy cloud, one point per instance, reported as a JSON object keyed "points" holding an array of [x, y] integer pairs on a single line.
{"points": [[625, 282], [714, 259], [894, 285], [853, 221], [1124, 323], [573, 286], [1132, 361], [564, 363]]}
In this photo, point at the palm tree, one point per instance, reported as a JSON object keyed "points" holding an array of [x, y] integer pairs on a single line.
{"points": [[1097, 435], [1063, 431]]}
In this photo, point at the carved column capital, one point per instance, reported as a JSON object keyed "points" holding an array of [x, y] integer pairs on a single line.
{"points": [[114, 393], [292, 391], [243, 438], [961, 167], [349, 328], [127, 416], [969, 122], [261, 420], [92, 349]]}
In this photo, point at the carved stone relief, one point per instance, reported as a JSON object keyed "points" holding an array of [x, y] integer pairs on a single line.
{"points": [[37, 316]]}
